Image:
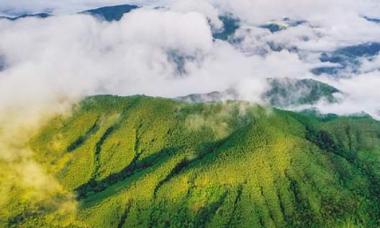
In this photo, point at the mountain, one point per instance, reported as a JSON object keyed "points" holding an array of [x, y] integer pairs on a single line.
{"points": [[282, 93], [214, 96], [288, 92], [108, 13], [111, 13], [347, 58], [277, 26], [372, 19], [230, 25], [2, 63], [26, 15], [152, 162]]}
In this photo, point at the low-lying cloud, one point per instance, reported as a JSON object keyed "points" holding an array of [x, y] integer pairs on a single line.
{"points": [[49, 63]]}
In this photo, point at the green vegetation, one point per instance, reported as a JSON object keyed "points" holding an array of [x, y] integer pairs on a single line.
{"points": [[151, 162], [285, 92]]}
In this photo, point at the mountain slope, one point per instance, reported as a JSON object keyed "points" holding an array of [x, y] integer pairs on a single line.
{"points": [[111, 13], [26, 15], [142, 162]]}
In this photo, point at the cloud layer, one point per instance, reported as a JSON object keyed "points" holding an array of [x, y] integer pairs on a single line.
{"points": [[171, 52]]}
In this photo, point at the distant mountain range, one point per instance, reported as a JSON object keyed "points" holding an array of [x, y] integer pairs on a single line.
{"points": [[230, 25], [282, 93], [343, 60], [37, 15], [372, 19], [347, 58], [108, 13], [111, 13], [277, 26]]}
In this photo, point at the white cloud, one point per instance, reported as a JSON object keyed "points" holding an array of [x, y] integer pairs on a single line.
{"points": [[362, 95], [12, 7], [259, 11], [71, 56], [78, 55]]}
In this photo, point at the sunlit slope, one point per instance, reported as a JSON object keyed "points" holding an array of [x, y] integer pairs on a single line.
{"points": [[151, 162]]}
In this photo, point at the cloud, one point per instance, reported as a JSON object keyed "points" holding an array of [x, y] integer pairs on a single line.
{"points": [[11, 7], [169, 52], [259, 11], [362, 95], [79, 55]]}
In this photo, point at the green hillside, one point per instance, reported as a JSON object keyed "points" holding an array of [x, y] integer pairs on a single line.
{"points": [[151, 162]]}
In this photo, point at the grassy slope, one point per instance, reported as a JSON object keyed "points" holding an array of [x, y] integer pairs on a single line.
{"points": [[140, 162]]}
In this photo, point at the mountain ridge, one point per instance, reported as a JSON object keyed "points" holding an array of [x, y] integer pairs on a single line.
{"points": [[282, 93], [140, 161]]}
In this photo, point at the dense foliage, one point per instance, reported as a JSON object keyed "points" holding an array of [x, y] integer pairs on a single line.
{"points": [[152, 162]]}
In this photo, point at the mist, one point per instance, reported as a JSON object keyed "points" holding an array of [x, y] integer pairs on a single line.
{"points": [[47, 64]]}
